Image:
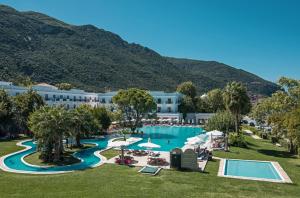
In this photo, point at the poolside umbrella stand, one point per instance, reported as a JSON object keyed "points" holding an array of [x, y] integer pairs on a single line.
{"points": [[149, 145], [121, 145]]}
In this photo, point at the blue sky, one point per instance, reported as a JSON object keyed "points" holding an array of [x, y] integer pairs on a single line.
{"points": [[259, 36]]}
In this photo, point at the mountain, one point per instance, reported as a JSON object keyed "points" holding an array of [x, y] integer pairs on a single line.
{"points": [[48, 50]]}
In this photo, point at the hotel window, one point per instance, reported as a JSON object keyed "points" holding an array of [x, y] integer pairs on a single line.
{"points": [[61, 96], [169, 109], [84, 99], [169, 101], [103, 100], [80, 99], [74, 106], [158, 109], [68, 97], [17, 93], [159, 101], [46, 97]]}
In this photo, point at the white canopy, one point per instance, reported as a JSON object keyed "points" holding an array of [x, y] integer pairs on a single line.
{"points": [[149, 144], [197, 140], [198, 137], [215, 133]]}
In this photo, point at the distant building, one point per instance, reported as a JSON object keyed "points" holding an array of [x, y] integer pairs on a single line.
{"points": [[198, 118], [167, 103]]}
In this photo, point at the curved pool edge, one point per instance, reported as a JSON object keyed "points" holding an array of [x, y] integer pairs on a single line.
{"points": [[5, 168]]}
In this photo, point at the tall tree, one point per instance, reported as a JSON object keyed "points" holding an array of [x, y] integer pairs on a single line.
{"points": [[188, 89], [83, 122], [215, 100], [188, 102], [280, 111], [222, 121], [49, 125], [186, 106], [24, 104], [21, 80], [236, 101], [64, 86], [6, 113], [103, 117], [134, 104]]}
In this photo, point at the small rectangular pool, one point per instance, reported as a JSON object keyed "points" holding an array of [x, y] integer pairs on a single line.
{"points": [[252, 170]]}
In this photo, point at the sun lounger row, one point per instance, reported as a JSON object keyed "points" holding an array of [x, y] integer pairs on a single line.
{"points": [[157, 161], [126, 160]]}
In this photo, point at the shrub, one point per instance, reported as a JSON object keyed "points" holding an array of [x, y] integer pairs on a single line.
{"points": [[274, 139], [264, 136], [237, 140]]}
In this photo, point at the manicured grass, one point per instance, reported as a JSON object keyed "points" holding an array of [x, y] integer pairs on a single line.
{"points": [[68, 160], [110, 153], [9, 146], [122, 181]]}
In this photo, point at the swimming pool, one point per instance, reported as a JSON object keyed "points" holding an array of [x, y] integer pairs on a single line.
{"points": [[165, 136], [168, 137], [252, 170], [15, 162]]}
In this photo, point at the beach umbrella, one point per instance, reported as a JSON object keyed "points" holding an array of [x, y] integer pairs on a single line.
{"points": [[215, 133], [119, 144], [199, 139], [149, 145]]}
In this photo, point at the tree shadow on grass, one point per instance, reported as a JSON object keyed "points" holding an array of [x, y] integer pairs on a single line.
{"points": [[251, 144], [274, 153]]}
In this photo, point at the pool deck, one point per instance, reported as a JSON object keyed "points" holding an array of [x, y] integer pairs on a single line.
{"points": [[142, 160], [284, 177]]}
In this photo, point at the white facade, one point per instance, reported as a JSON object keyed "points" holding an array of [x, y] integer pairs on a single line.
{"points": [[198, 118], [166, 102]]}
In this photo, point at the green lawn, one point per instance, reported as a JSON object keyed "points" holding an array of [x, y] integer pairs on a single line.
{"points": [[110, 153], [123, 181]]}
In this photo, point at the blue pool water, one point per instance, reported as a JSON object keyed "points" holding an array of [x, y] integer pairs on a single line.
{"points": [[89, 160], [167, 137], [253, 169]]}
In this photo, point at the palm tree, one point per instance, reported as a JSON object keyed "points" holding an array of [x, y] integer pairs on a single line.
{"points": [[237, 101], [49, 125]]}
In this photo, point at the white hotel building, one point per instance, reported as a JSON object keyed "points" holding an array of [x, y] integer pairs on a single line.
{"points": [[167, 103]]}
